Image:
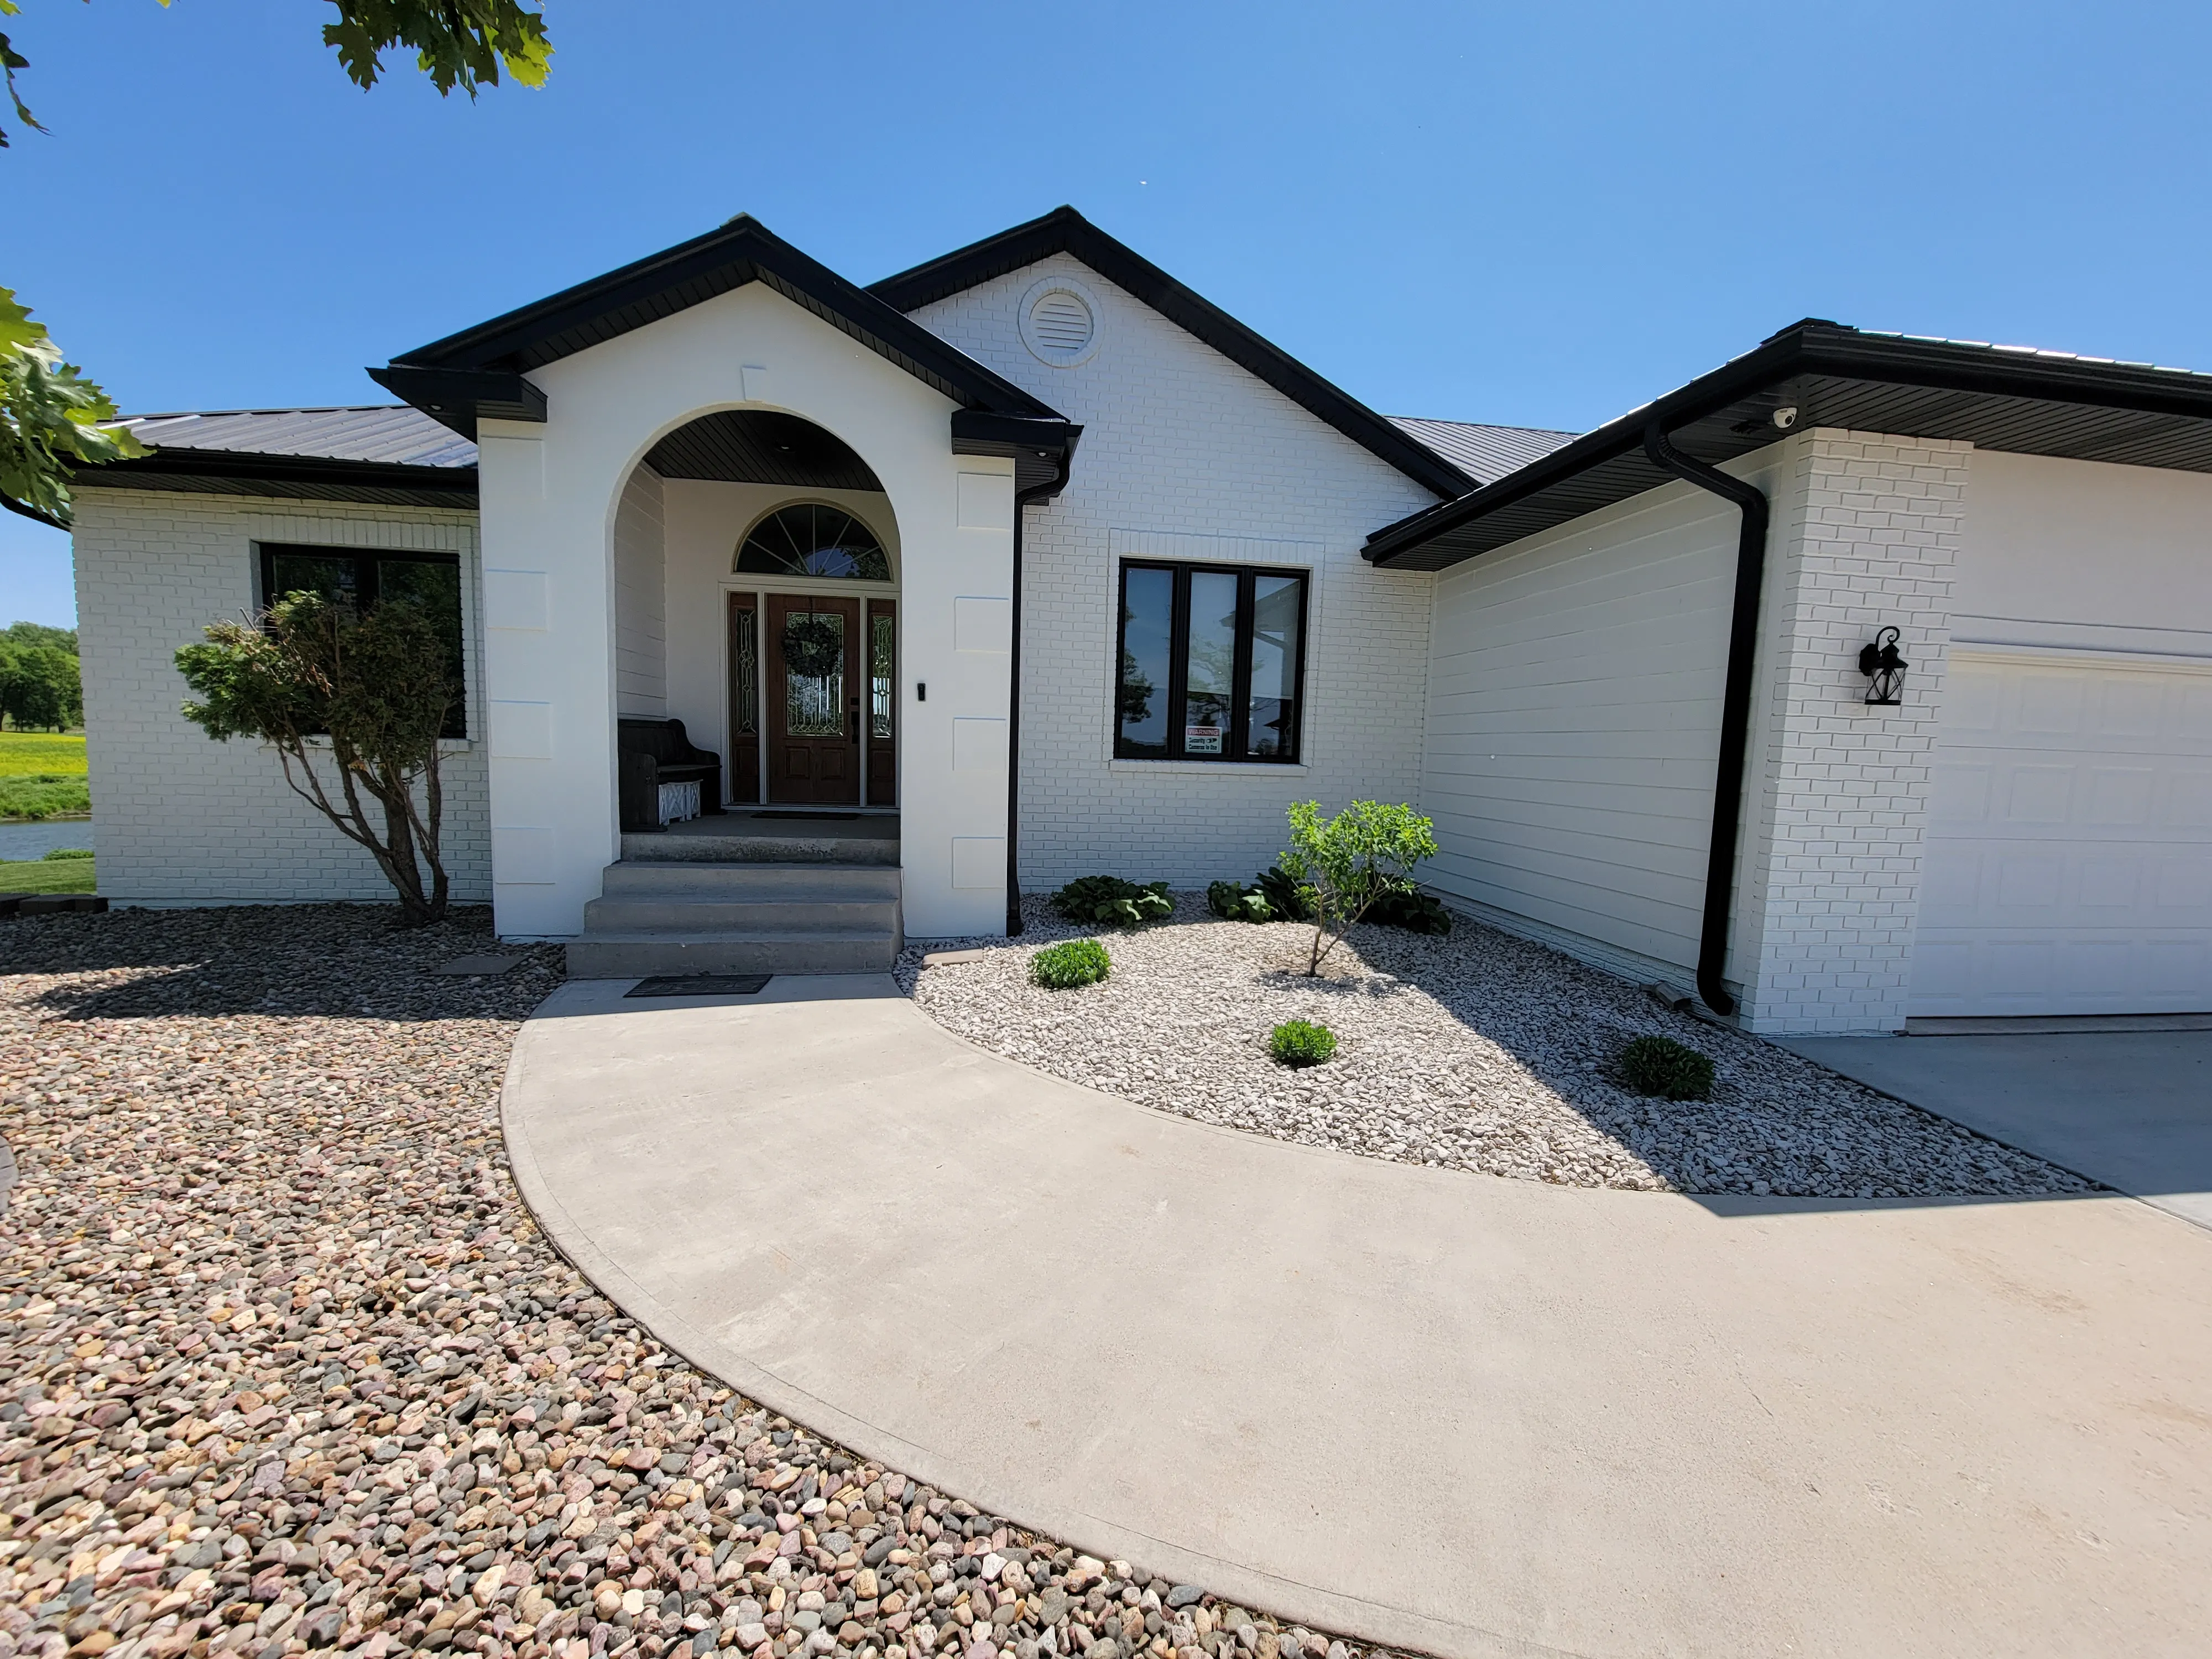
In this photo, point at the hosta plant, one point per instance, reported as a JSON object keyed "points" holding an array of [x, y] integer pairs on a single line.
{"points": [[1110, 902], [1673, 1071], [1232, 901]]}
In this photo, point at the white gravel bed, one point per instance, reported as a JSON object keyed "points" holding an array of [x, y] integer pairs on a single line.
{"points": [[285, 1367], [1477, 1051]]}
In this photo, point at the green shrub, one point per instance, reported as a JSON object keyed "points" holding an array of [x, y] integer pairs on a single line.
{"points": [[1283, 895], [1071, 963], [1234, 902], [1660, 1066], [1110, 902], [1344, 865], [1300, 1042], [1411, 909], [69, 852]]}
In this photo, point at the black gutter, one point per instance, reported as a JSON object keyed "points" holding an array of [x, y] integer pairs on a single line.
{"points": [[1818, 347], [1023, 498], [246, 467], [24, 509], [1735, 703]]}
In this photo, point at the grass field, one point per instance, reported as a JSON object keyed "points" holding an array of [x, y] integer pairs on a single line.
{"points": [[42, 776], [47, 875]]}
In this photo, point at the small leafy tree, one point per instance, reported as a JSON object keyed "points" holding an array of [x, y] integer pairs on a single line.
{"points": [[1343, 865], [365, 700]]}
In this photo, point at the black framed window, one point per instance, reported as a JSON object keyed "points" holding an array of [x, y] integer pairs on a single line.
{"points": [[353, 580], [1212, 663]]}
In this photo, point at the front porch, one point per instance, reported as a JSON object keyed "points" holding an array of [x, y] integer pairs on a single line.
{"points": [[745, 891]]}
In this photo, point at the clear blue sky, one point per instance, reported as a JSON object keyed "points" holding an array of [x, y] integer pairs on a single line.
{"points": [[1539, 216]]}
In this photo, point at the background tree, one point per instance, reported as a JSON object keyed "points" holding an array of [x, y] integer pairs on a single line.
{"points": [[364, 701], [1343, 866], [49, 412], [39, 688]]}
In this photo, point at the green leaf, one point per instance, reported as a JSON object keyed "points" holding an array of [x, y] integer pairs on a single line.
{"points": [[50, 418]]}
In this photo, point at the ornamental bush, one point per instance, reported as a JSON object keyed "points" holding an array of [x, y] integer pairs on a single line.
{"points": [[1070, 963], [1660, 1066], [1232, 901], [1343, 866], [1110, 902], [1301, 1042]]}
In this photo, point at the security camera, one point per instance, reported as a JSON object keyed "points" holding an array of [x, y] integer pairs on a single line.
{"points": [[1784, 417]]}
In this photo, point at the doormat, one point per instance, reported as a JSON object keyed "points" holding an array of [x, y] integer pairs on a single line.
{"points": [[811, 817], [698, 985]]}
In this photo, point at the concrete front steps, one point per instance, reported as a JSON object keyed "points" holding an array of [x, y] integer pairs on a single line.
{"points": [[672, 911]]}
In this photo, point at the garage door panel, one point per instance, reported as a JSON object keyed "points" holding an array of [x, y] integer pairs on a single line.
{"points": [[2069, 862]]}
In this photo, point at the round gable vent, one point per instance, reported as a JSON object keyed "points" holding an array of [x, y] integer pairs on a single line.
{"points": [[1060, 322]]}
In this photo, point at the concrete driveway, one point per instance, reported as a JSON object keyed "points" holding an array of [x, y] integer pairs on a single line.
{"points": [[1434, 1409], [2131, 1108]]}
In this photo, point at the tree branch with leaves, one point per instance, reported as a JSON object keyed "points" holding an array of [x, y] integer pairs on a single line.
{"points": [[49, 414]]}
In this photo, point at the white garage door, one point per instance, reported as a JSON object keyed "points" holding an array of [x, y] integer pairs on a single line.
{"points": [[2070, 839]]}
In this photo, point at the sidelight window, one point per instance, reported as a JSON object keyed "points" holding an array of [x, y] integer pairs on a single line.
{"points": [[1211, 662]]}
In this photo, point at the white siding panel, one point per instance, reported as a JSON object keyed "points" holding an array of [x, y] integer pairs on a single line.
{"points": [[1575, 696]]}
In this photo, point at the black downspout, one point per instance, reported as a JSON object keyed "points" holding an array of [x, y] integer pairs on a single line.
{"points": [[1736, 703]]}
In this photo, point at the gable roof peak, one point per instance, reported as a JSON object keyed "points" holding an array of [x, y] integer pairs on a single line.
{"points": [[1064, 230]]}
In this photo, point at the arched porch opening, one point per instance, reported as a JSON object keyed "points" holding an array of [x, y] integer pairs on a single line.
{"points": [[756, 566]]}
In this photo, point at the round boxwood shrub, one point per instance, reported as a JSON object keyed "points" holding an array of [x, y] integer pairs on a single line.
{"points": [[1660, 1066], [1300, 1042], [1071, 963]]}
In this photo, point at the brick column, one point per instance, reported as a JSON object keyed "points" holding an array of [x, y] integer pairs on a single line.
{"points": [[1829, 889]]}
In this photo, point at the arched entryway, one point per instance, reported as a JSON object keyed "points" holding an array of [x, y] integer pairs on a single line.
{"points": [[776, 614]]}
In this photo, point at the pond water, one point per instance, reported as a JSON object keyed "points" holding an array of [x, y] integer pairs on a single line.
{"points": [[35, 840]]}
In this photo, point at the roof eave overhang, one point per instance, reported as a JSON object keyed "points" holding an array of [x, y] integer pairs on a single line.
{"points": [[1725, 413], [1044, 452], [288, 478]]}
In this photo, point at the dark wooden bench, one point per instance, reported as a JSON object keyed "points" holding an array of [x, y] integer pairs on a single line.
{"points": [[649, 753]]}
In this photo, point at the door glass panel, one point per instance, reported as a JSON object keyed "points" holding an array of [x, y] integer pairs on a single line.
{"points": [[1272, 706], [879, 674], [1210, 671], [336, 580], [1148, 625], [745, 656], [814, 673]]}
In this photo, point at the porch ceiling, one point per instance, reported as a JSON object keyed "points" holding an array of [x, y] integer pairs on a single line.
{"points": [[752, 445]]}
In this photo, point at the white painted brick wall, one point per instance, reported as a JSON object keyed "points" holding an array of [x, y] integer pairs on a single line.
{"points": [[1829, 889], [1184, 452], [182, 818]]}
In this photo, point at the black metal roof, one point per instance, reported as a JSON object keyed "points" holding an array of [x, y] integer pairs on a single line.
{"points": [[394, 455], [2003, 398], [1066, 231], [1485, 453], [483, 367]]}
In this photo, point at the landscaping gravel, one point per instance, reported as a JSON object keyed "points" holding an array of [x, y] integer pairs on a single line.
{"points": [[285, 1366], [1477, 1051]]}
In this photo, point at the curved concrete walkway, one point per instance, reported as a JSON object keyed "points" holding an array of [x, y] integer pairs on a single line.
{"points": [[1463, 1415]]}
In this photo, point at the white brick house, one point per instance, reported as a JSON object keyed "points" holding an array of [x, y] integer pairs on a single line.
{"points": [[1094, 578]]}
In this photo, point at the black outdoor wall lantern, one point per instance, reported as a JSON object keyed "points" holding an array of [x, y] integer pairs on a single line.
{"points": [[1884, 669]]}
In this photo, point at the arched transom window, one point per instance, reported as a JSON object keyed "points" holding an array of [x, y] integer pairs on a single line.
{"points": [[813, 539]]}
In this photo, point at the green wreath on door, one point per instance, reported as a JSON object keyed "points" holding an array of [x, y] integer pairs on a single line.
{"points": [[814, 644]]}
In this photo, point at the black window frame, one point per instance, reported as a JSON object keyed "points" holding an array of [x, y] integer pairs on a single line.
{"points": [[1239, 736], [367, 590]]}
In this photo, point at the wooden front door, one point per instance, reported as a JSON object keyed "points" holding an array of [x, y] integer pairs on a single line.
{"points": [[814, 686]]}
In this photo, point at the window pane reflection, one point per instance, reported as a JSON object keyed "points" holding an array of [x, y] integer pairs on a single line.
{"points": [[1147, 630], [1272, 708]]}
